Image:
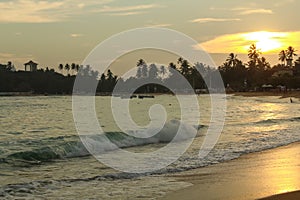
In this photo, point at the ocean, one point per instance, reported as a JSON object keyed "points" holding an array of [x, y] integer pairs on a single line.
{"points": [[42, 156]]}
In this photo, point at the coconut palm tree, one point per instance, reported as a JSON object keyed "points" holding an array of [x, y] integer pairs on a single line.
{"points": [[60, 67], [253, 55], [172, 65], [67, 68], [185, 66], [73, 67], [290, 53], [162, 70], [142, 68], [231, 60], [77, 68], [140, 63], [282, 56], [110, 75]]}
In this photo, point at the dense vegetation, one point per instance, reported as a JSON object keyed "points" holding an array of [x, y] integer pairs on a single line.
{"points": [[237, 76]]}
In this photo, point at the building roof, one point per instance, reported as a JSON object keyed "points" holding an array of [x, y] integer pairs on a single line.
{"points": [[30, 63]]}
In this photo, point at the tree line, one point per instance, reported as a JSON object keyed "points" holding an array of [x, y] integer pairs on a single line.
{"points": [[236, 75]]}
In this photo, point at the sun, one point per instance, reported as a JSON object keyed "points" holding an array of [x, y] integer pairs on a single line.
{"points": [[264, 40]]}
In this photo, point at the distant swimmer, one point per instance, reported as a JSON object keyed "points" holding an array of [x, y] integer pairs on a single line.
{"points": [[291, 100]]}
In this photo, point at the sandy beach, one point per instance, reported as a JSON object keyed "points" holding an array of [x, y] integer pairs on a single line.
{"points": [[253, 176]]}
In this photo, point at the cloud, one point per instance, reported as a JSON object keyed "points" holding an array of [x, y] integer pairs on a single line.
{"points": [[126, 10], [159, 25], [76, 35], [256, 11], [152, 23], [34, 11], [206, 20], [126, 13]]}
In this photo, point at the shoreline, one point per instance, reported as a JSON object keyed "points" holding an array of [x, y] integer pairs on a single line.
{"points": [[259, 175], [288, 94]]}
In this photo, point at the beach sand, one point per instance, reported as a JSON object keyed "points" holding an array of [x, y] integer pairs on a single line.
{"points": [[285, 196], [253, 176]]}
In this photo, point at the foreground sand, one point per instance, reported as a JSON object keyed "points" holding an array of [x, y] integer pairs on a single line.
{"points": [[252, 176]]}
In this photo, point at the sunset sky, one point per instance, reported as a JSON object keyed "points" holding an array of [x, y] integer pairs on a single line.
{"points": [[52, 32]]}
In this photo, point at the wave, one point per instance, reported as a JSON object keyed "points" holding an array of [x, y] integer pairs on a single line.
{"points": [[278, 120], [71, 146]]}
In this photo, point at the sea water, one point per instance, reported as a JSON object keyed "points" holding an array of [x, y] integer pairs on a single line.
{"points": [[42, 156]]}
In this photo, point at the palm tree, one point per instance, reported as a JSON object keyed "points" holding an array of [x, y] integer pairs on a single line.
{"points": [[282, 56], [73, 67], [185, 66], [172, 65], [140, 63], [142, 68], [67, 68], [231, 60], [162, 70], [253, 55], [110, 75], [60, 67], [263, 64], [180, 60], [9, 66], [77, 68], [290, 53]]}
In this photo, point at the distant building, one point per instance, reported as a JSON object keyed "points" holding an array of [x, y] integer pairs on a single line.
{"points": [[32, 66]]}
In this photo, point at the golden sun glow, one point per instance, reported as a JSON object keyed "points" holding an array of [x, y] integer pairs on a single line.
{"points": [[268, 42], [265, 41]]}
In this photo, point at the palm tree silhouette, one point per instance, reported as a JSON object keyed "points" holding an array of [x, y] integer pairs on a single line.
{"points": [[60, 67], [73, 67], [253, 54], [162, 70], [110, 75], [185, 66], [172, 65], [140, 63], [290, 53], [67, 68], [282, 56], [231, 60]]}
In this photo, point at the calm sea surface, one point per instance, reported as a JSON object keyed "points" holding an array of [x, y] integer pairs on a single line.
{"points": [[41, 155]]}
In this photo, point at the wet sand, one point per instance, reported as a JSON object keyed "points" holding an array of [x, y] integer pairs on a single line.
{"points": [[253, 176]]}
